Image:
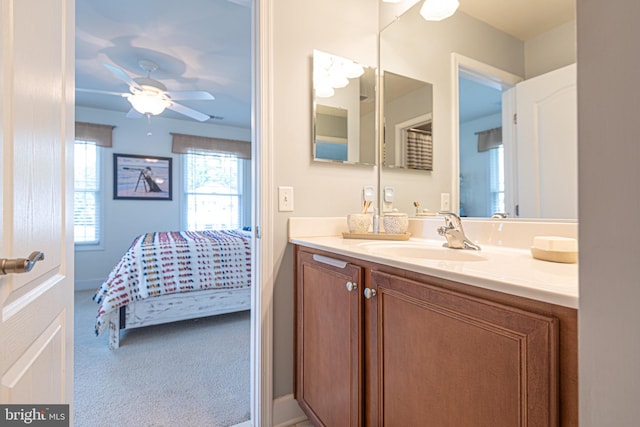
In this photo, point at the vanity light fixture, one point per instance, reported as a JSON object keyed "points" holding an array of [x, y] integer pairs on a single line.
{"points": [[332, 72], [437, 10]]}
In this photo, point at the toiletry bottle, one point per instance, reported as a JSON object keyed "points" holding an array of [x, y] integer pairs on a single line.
{"points": [[376, 221]]}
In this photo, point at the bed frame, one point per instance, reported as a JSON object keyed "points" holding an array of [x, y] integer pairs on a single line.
{"points": [[175, 307]]}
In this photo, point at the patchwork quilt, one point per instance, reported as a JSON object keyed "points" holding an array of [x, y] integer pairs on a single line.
{"points": [[179, 261]]}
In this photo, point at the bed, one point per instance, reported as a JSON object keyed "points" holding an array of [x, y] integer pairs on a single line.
{"points": [[171, 276]]}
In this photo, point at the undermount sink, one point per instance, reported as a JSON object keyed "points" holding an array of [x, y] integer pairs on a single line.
{"points": [[418, 250]]}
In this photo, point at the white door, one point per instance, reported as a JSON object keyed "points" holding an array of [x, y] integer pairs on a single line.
{"points": [[547, 145], [36, 200]]}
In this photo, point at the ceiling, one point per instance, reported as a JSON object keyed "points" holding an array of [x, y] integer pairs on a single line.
{"points": [[197, 44], [206, 45]]}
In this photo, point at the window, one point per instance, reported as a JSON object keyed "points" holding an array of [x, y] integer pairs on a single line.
{"points": [[214, 187], [87, 193], [496, 171]]}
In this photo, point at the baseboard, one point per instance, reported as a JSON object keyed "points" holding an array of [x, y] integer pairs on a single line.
{"points": [[88, 285], [286, 411]]}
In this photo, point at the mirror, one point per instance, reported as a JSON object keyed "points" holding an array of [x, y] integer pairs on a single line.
{"points": [[426, 51], [343, 110], [408, 122]]}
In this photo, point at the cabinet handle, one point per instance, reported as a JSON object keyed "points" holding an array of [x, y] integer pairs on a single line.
{"points": [[330, 261], [352, 286], [369, 293]]}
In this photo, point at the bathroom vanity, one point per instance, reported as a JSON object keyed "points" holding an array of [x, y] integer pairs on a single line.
{"points": [[411, 333]]}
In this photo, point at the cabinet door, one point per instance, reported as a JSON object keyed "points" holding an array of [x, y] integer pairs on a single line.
{"points": [[446, 359], [328, 340]]}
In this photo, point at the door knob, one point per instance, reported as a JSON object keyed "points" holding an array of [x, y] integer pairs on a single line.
{"points": [[369, 293], [351, 286], [20, 265]]}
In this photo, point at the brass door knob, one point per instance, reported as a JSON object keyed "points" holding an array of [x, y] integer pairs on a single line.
{"points": [[20, 265]]}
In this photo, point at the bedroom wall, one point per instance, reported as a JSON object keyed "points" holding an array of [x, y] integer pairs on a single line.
{"points": [[125, 219], [345, 28]]}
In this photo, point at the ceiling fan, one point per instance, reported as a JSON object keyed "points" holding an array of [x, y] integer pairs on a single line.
{"points": [[149, 97]]}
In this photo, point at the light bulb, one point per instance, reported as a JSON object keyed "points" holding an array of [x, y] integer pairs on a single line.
{"points": [[324, 91], [148, 102], [437, 10]]}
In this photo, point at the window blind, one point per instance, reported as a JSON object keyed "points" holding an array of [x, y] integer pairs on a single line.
{"points": [[188, 144], [101, 135], [488, 139], [87, 193]]}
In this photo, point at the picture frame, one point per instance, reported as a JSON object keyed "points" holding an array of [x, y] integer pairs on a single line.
{"points": [[139, 177]]}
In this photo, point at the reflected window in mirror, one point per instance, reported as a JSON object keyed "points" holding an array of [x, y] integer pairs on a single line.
{"points": [[344, 95], [408, 123]]}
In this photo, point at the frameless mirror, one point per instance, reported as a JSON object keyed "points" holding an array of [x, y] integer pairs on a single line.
{"points": [[426, 51], [343, 110], [408, 122]]}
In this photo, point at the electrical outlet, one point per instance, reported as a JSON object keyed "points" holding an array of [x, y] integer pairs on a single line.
{"points": [[388, 194], [368, 193], [445, 202], [285, 199]]}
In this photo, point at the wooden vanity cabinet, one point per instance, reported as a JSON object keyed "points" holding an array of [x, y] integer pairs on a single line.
{"points": [[422, 351], [442, 358], [328, 340]]}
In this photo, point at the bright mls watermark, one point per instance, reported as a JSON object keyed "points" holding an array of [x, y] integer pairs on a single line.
{"points": [[34, 415]]}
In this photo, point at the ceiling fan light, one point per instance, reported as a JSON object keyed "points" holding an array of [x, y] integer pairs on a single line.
{"points": [[437, 10], [148, 103]]}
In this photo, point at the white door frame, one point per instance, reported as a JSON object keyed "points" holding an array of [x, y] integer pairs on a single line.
{"points": [[263, 209], [486, 74]]}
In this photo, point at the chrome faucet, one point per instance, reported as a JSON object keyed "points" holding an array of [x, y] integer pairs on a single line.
{"points": [[453, 232]]}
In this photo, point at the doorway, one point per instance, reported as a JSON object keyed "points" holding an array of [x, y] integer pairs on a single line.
{"points": [[485, 159], [157, 131]]}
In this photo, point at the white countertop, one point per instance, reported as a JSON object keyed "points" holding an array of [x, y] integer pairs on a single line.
{"points": [[504, 269]]}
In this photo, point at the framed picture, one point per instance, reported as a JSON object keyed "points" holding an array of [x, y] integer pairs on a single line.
{"points": [[141, 177]]}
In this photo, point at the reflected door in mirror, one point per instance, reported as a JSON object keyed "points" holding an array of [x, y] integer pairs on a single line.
{"points": [[408, 123]]}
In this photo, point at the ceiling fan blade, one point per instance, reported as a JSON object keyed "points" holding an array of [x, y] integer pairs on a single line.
{"points": [[122, 76], [101, 92], [197, 115], [195, 95], [134, 114], [245, 3]]}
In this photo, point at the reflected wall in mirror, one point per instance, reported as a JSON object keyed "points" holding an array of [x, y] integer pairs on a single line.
{"points": [[343, 110], [408, 122], [423, 50]]}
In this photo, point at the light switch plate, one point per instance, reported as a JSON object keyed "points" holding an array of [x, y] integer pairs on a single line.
{"points": [[285, 199], [445, 202]]}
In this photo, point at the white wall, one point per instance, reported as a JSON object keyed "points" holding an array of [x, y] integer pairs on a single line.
{"points": [[551, 50], [344, 28], [609, 206], [125, 219]]}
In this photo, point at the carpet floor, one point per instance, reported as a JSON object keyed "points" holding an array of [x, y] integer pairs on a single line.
{"points": [[189, 373]]}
